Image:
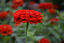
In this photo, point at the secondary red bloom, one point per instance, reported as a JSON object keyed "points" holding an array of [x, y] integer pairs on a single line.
{"points": [[3, 15], [30, 16], [53, 20], [51, 11], [43, 40], [45, 5], [5, 30], [18, 2]]}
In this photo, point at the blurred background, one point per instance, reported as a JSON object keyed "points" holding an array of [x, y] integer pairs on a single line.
{"points": [[52, 27]]}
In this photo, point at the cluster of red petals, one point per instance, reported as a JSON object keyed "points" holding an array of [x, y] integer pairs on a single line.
{"points": [[51, 11], [3, 15], [17, 3], [53, 20], [30, 16], [43, 40], [5, 30], [45, 5]]}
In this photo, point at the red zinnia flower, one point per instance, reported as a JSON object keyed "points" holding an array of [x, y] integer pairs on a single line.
{"points": [[45, 5], [5, 30], [30, 16], [43, 40], [51, 11], [3, 15], [18, 2], [53, 20]]}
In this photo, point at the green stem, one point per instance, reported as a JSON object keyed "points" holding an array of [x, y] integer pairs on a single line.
{"points": [[13, 39], [26, 32]]}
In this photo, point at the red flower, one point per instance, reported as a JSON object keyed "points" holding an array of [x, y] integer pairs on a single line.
{"points": [[3, 15], [18, 2], [45, 5], [53, 20], [51, 11], [43, 40], [30, 16], [5, 30]]}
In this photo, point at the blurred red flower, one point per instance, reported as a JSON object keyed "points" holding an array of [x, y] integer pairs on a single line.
{"points": [[43, 40], [45, 5], [53, 20], [51, 11], [3, 14], [5, 30], [30, 16], [18, 2]]}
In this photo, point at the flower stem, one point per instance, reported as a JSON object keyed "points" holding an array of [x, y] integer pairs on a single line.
{"points": [[13, 39], [26, 32]]}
